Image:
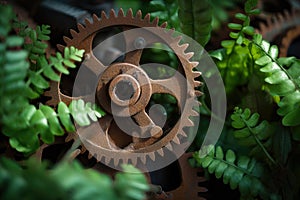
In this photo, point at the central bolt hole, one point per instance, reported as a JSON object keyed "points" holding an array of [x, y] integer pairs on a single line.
{"points": [[124, 90]]}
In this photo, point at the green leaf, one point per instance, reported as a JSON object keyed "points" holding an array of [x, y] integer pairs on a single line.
{"points": [[53, 121], [249, 30], [263, 60], [249, 5], [15, 56], [292, 118], [64, 116], [277, 77], [240, 16], [230, 156], [78, 112], [227, 44], [235, 26], [270, 67], [195, 19], [283, 88], [38, 80], [273, 51], [14, 41], [39, 121]]}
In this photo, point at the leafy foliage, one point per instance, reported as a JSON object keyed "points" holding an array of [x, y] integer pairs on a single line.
{"points": [[242, 172], [24, 76], [282, 80], [256, 78], [195, 19], [68, 181], [170, 15], [251, 133]]}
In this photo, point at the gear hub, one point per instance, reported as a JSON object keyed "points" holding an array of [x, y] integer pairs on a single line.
{"points": [[128, 133]]}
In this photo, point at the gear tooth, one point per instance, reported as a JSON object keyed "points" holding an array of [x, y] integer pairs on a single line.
{"points": [[177, 39], [151, 156], [106, 159], [129, 13], [90, 156], [73, 33], [286, 13], [189, 55], [67, 40], [60, 47], [176, 140], [87, 22], [133, 161], [183, 134], [95, 18], [155, 21], [116, 162], [194, 64], [196, 74], [143, 159], [194, 113], [169, 146], [138, 14], [112, 14], [147, 17], [68, 138], [103, 15], [121, 12], [184, 47], [198, 93], [51, 102], [189, 123], [197, 84], [164, 25], [160, 152], [80, 27]]}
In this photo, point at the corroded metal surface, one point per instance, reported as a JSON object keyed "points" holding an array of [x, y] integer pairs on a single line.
{"points": [[126, 85]]}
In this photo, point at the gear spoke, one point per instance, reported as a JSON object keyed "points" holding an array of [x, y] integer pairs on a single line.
{"points": [[134, 57], [147, 125], [93, 138], [67, 99], [92, 63], [172, 86]]}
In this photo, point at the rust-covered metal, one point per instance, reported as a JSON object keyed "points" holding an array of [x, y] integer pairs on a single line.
{"points": [[112, 140]]}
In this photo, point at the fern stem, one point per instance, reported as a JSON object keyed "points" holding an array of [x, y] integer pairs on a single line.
{"points": [[260, 144], [281, 67], [234, 166]]}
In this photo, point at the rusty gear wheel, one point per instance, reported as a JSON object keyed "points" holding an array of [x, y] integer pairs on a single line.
{"points": [[109, 144], [286, 42], [278, 29]]}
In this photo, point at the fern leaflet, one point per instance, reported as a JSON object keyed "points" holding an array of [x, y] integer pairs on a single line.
{"points": [[242, 172], [251, 133]]}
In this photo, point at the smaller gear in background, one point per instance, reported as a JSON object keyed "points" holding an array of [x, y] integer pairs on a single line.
{"points": [[281, 27]]}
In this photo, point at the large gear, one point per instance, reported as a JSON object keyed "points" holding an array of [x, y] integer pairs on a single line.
{"points": [[110, 144], [278, 29]]}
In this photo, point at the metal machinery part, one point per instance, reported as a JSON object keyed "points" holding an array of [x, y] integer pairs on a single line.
{"points": [[128, 72], [281, 30]]}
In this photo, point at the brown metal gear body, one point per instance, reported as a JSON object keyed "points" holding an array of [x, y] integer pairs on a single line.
{"points": [[279, 29], [288, 39], [112, 145]]}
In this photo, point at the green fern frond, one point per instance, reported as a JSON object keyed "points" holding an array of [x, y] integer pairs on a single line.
{"points": [[242, 172], [37, 80], [283, 80], [45, 123], [35, 38], [257, 136], [158, 9], [195, 19]]}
